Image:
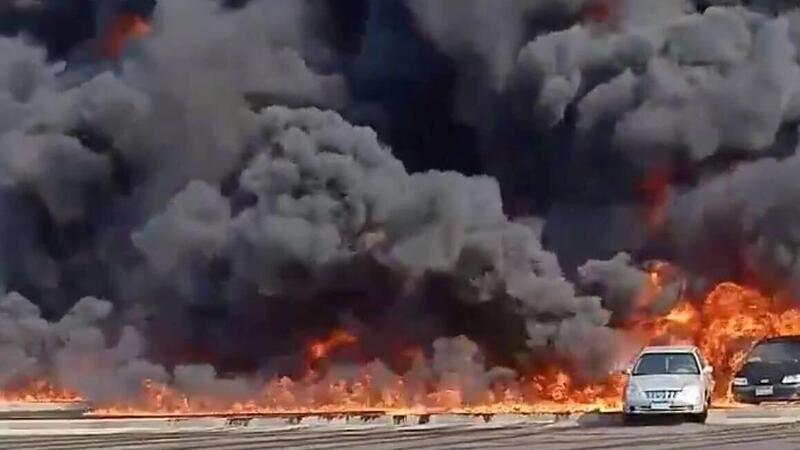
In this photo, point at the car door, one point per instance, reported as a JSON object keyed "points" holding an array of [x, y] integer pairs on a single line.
{"points": [[707, 375]]}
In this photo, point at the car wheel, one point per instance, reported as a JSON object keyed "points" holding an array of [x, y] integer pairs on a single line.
{"points": [[701, 417]]}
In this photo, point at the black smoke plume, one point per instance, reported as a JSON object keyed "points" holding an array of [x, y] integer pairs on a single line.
{"points": [[249, 176]]}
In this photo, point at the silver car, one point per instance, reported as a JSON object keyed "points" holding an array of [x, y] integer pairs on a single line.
{"points": [[669, 380]]}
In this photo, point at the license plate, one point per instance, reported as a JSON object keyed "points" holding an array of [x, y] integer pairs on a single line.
{"points": [[659, 406], [764, 390]]}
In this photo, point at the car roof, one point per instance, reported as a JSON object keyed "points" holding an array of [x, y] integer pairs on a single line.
{"points": [[790, 338], [670, 349]]}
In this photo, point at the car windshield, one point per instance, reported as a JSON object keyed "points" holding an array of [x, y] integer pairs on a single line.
{"points": [[775, 352], [667, 364]]}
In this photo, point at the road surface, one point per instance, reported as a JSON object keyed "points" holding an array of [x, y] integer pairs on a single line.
{"points": [[773, 431], [688, 436]]}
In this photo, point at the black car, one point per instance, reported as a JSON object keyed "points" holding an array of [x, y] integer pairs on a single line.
{"points": [[771, 373]]}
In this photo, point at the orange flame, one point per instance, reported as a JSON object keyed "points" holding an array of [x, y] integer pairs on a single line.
{"points": [[735, 318], [659, 274], [124, 29], [38, 391], [724, 325], [338, 339]]}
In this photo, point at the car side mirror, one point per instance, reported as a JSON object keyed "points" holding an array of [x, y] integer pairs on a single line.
{"points": [[708, 370], [627, 371]]}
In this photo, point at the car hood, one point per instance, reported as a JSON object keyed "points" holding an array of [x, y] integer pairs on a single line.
{"points": [[773, 371], [664, 382]]}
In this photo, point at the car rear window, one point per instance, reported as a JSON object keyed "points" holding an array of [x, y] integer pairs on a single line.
{"points": [[667, 364]]}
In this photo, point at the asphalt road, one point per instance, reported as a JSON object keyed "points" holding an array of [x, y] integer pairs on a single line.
{"points": [[558, 436]]}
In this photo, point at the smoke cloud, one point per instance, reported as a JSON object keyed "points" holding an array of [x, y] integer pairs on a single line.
{"points": [[226, 186], [192, 196]]}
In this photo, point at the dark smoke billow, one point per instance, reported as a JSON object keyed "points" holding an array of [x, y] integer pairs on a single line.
{"points": [[231, 190]]}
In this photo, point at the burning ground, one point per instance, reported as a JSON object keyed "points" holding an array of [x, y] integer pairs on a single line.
{"points": [[454, 379], [213, 209]]}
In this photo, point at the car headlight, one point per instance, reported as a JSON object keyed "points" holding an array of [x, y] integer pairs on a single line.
{"points": [[791, 379], [740, 381], [689, 394]]}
